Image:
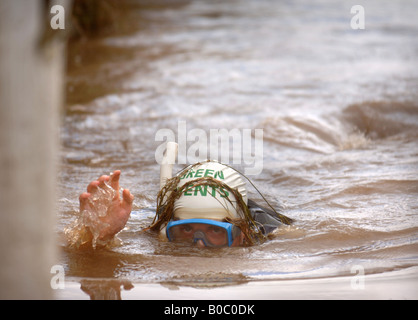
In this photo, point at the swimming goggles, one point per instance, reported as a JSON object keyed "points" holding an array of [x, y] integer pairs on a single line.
{"points": [[212, 233]]}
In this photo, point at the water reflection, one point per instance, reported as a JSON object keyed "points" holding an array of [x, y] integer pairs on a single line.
{"points": [[92, 263], [117, 289], [105, 289], [337, 106]]}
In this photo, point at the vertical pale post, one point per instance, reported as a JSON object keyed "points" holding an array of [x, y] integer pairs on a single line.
{"points": [[31, 90]]}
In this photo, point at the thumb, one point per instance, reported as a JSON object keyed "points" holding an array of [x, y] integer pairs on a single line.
{"points": [[127, 199]]}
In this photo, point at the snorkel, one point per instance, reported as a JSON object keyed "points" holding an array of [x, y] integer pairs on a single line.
{"points": [[169, 158]]}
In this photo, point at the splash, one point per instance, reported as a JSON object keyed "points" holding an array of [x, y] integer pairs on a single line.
{"points": [[90, 223], [355, 140]]}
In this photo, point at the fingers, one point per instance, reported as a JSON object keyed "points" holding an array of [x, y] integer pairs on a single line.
{"points": [[84, 201], [128, 198], [103, 183], [103, 180], [114, 180], [92, 187]]}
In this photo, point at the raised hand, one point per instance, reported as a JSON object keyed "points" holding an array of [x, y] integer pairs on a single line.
{"points": [[102, 213]]}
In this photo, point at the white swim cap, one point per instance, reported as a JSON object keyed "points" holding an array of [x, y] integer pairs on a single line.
{"points": [[209, 201]]}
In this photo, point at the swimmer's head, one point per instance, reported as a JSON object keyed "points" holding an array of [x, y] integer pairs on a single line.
{"points": [[210, 191], [209, 201]]}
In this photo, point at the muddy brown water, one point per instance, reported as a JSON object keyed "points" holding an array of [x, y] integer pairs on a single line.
{"points": [[339, 113]]}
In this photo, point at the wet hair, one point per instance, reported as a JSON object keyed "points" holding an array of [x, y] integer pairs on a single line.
{"points": [[171, 192]]}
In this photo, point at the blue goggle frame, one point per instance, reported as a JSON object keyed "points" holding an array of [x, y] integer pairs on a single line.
{"points": [[232, 230]]}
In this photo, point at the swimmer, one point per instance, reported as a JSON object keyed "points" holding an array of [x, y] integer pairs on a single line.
{"points": [[206, 205]]}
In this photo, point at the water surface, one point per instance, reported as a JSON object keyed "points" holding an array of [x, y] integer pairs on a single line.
{"points": [[339, 113]]}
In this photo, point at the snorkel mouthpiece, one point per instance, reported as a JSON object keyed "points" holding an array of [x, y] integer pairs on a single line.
{"points": [[199, 235]]}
